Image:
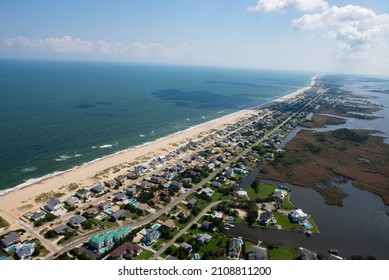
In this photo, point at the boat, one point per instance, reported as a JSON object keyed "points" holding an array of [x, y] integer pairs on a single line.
{"points": [[333, 251], [308, 232]]}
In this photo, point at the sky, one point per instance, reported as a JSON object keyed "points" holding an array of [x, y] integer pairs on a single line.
{"points": [[306, 35]]}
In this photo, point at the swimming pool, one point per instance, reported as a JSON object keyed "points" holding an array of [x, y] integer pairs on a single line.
{"points": [[166, 185], [109, 211], [196, 256], [136, 204], [129, 201], [2, 258], [308, 225], [240, 241], [10, 248], [102, 217], [103, 250], [229, 218], [156, 226]]}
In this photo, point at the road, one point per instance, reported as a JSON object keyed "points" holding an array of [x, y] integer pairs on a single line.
{"points": [[185, 229], [183, 196]]}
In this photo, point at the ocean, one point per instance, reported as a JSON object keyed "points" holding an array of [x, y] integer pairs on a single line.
{"points": [[57, 115]]}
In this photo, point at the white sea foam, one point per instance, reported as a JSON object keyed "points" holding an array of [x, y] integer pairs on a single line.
{"points": [[29, 169], [142, 135], [56, 173], [66, 157], [203, 117], [106, 146]]}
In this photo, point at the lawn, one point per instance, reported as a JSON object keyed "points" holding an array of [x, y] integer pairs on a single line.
{"points": [[286, 204], [315, 229], [145, 255], [283, 253], [284, 222], [265, 192], [105, 224]]}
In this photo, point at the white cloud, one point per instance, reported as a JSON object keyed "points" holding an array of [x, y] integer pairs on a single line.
{"points": [[157, 49], [355, 28], [289, 5], [112, 48], [61, 45], [67, 44]]}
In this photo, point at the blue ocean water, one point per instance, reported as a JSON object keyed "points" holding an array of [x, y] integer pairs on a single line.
{"points": [[57, 115]]}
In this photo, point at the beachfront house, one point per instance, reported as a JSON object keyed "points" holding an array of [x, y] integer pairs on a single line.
{"points": [[97, 189], [110, 183], [234, 247], [121, 178], [83, 193], [150, 236], [118, 215], [126, 251], [105, 205], [25, 251], [9, 239], [297, 216], [76, 221], [203, 238], [53, 205], [36, 216], [72, 201], [257, 253], [105, 240]]}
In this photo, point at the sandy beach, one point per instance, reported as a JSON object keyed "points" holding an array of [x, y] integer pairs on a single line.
{"points": [[18, 202]]}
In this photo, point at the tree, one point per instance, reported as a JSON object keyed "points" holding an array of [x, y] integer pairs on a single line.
{"points": [[252, 216]]}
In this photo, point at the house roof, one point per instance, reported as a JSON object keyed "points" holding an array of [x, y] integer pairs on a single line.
{"points": [[120, 196], [126, 249], [82, 191], [118, 214], [10, 238], [76, 220], [25, 250], [72, 200], [176, 184], [257, 253], [208, 191], [168, 223], [192, 201], [52, 204], [97, 188], [35, 216], [60, 228]]}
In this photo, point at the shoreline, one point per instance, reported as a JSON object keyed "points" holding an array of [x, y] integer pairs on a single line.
{"points": [[24, 194]]}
